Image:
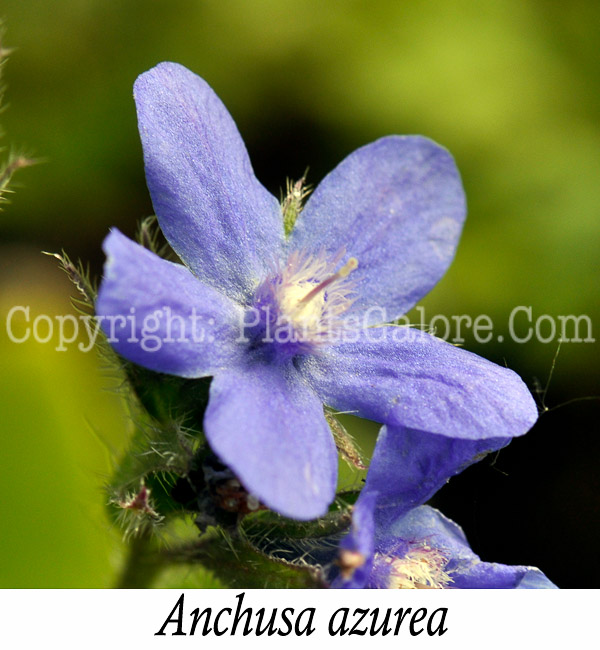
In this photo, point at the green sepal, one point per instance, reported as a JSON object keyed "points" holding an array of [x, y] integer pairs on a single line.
{"points": [[167, 397], [237, 564], [299, 543]]}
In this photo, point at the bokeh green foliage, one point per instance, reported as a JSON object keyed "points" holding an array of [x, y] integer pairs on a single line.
{"points": [[511, 87], [61, 433]]}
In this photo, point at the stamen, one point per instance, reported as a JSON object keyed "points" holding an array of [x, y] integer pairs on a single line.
{"points": [[349, 561], [420, 568], [344, 272]]}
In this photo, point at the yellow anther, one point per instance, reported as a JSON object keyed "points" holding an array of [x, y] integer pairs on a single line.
{"points": [[348, 267]]}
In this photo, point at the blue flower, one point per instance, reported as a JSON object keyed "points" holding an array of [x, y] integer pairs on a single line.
{"points": [[421, 549], [282, 324], [396, 542], [392, 545]]}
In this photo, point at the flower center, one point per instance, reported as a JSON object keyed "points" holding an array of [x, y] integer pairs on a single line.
{"points": [[301, 303], [420, 568]]}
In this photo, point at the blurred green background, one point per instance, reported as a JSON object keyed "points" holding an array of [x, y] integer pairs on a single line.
{"points": [[510, 87]]}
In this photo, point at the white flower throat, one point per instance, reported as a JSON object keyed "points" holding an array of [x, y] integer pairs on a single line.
{"points": [[308, 296], [423, 567], [305, 300]]}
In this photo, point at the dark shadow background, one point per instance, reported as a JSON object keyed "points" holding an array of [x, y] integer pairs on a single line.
{"points": [[511, 87]]}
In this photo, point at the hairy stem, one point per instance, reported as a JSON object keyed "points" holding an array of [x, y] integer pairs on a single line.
{"points": [[142, 564]]}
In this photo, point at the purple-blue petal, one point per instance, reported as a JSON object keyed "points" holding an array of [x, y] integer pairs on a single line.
{"points": [[398, 206], [158, 315], [404, 377], [217, 217], [360, 539], [491, 575], [408, 466], [464, 567], [268, 426]]}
